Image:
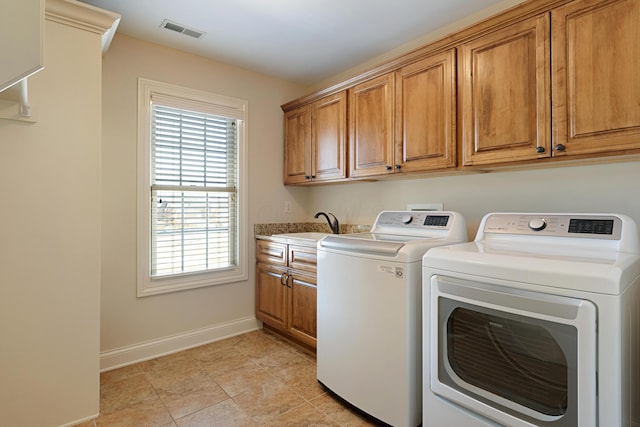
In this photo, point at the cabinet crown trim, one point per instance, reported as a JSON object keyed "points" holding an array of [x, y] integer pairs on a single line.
{"points": [[84, 17]]}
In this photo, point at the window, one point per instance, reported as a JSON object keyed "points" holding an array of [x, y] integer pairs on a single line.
{"points": [[191, 204]]}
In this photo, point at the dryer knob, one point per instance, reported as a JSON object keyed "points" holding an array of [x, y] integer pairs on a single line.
{"points": [[406, 219], [537, 224]]}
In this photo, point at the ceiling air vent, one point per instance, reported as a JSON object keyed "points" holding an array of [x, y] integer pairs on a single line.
{"points": [[179, 28]]}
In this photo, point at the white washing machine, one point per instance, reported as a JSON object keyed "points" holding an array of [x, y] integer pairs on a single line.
{"points": [[369, 308], [535, 323]]}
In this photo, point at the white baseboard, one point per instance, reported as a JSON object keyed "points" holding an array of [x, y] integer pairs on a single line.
{"points": [[129, 355], [80, 421]]}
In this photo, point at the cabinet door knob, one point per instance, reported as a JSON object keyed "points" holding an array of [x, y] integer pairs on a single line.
{"points": [[282, 279], [540, 150], [307, 177], [389, 168], [398, 167], [287, 281], [560, 147]]}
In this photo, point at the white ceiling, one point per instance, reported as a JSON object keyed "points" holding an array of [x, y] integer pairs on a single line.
{"points": [[302, 41]]}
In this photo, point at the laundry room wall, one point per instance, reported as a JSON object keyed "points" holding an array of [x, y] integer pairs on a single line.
{"points": [[600, 188], [50, 229], [134, 328]]}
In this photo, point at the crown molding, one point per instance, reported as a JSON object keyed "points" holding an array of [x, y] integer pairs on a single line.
{"points": [[85, 17]]}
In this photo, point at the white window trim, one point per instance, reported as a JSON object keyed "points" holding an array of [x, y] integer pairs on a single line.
{"points": [[146, 285]]}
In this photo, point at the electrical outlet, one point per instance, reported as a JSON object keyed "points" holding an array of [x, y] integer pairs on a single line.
{"points": [[425, 206], [287, 206]]}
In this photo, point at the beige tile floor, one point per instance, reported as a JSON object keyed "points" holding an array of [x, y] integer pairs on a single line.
{"points": [[254, 379]]}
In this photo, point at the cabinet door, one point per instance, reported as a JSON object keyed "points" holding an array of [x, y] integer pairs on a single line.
{"points": [[371, 127], [426, 114], [297, 146], [271, 295], [328, 135], [596, 88], [303, 293], [504, 91]]}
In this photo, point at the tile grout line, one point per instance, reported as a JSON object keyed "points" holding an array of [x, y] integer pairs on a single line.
{"points": [[283, 365]]}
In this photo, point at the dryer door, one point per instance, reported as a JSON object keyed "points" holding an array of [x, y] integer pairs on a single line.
{"points": [[517, 357]]}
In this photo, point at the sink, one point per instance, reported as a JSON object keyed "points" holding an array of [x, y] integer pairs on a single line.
{"points": [[310, 235]]}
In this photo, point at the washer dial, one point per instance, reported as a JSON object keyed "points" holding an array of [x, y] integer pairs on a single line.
{"points": [[537, 224]]}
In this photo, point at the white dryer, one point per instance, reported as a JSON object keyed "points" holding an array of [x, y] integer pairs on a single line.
{"points": [[535, 323], [369, 308]]}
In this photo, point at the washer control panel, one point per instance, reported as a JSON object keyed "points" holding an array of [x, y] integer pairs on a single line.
{"points": [[414, 219], [589, 226]]}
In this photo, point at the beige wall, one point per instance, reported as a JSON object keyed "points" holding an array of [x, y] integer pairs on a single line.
{"points": [[597, 188], [50, 240], [136, 327]]}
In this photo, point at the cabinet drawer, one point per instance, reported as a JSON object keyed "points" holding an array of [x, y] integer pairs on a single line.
{"points": [[303, 258], [271, 253]]}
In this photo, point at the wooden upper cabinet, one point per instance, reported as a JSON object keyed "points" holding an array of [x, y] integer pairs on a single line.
{"points": [[426, 114], [371, 145], [596, 88], [504, 92], [328, 137], [548, 78], [315, 141], [297, 145]]}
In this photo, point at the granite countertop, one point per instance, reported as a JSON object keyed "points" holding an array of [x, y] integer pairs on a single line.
{"points": [[266, 231]]}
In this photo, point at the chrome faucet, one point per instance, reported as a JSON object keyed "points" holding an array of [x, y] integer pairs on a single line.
{"points": [[334, 225]]}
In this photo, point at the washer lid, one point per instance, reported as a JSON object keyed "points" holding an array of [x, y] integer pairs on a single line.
{"points": [[400, 248], [403, 235], [372, 243]]}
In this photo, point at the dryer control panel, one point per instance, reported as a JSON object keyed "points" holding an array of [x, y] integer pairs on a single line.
{"points": [[590, 226]]}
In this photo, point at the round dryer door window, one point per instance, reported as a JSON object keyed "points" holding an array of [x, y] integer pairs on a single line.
{"points": [[513, 353], [521, 361]]}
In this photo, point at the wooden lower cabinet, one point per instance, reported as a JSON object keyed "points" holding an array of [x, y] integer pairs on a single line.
{"points": [[303, 294], [271, 295], [286, 296]]}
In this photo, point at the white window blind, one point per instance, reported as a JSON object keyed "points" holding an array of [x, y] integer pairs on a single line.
{"points": [[193, 191], [192, 196]]}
